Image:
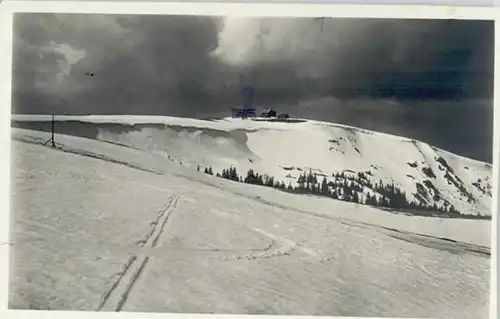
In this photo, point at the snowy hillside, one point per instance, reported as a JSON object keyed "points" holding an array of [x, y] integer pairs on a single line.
{"points": [[99, 226], [427, 177]]}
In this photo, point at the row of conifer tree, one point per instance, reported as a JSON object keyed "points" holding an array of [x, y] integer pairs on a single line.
{"points": [[355, 188]]}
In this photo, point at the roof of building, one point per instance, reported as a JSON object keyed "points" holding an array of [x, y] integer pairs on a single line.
{"points": [[267, 110]]}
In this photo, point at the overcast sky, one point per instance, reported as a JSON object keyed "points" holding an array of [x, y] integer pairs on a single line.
{"points": [[427, 79]]}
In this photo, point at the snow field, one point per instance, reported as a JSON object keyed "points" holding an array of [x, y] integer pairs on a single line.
{"points": [[225, 248]]}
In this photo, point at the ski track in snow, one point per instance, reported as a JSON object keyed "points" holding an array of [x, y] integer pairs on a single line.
{"points": [[115, 298], [417, 238], [279, 246]]}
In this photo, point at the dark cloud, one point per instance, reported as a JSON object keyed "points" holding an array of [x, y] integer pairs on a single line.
{"points": [[406, 59], [428, 79]]}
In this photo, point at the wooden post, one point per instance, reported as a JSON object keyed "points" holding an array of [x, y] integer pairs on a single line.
{"points": [[53, 124]]}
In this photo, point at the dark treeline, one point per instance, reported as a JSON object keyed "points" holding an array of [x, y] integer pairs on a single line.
{"points": [[354, 188]]}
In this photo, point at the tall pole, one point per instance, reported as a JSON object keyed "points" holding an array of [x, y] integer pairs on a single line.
{"points": [[53, 124], [322, 20]]}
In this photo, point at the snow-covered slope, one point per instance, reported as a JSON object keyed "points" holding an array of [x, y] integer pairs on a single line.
{"points": [[426, 174], [98, 226]]}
